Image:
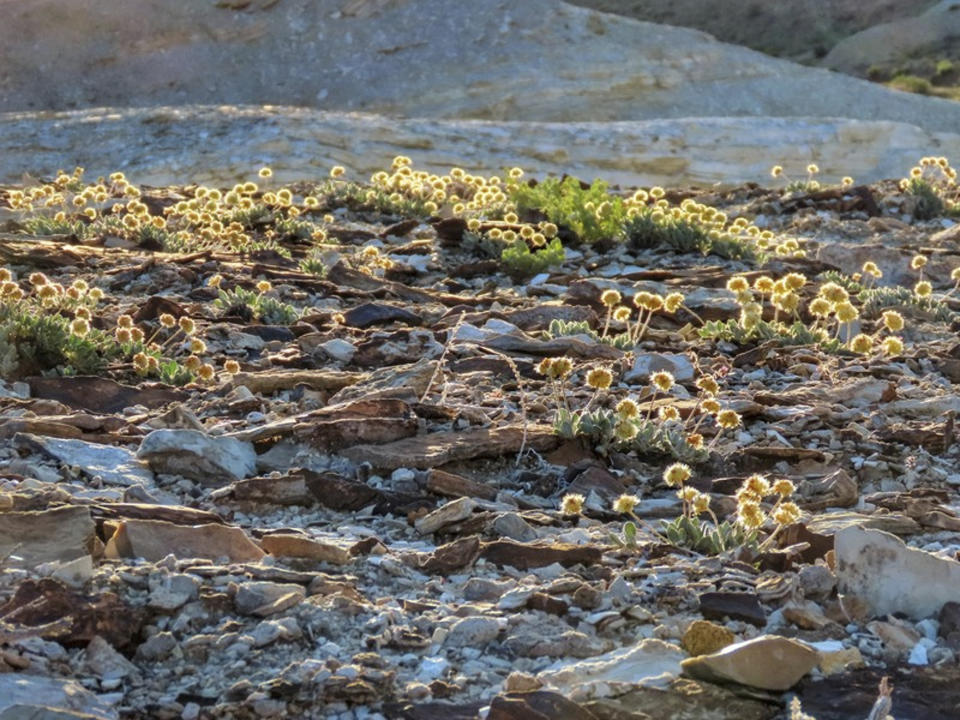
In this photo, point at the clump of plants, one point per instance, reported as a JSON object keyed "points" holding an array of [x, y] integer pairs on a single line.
{"points": [[257, 304], [525, 249], [647, 427], [832, 311], [808, 184], [48, 328], [591, 212], [932, 186], [692, 227]]}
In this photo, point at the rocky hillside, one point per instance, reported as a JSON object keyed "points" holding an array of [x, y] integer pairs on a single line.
{"points": [[222, 144], [540, 60]]}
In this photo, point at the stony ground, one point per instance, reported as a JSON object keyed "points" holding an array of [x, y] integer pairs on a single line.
{"points": [[363, 518]]}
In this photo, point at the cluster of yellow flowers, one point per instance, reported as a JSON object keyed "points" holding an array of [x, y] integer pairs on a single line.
{"points": [[78, 297], [753, 491], [715, 223], [508, 230], [647, 304], [933, 170], [459, 190]]}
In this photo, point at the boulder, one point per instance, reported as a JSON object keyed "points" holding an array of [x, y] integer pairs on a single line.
{"points": [[768, 662], [208, 460], [879, 569]]}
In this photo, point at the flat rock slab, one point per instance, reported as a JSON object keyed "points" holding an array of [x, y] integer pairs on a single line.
{"points": [[102, 395], [734, 605], [360, 422], [115, 465], [208, 460], [58, 535], [368, 314], [768, 662], [25, 695], [154, 539], [429, 451], [524, 556], [890, 577], [298, 546], [650, 661]]}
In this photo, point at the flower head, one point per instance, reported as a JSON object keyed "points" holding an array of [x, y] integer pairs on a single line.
{"points": [[728, 419], [625, 431], [749, 515], [621, 314], [737, 284], [862, 344], [669, 413], [892, 345], [776, 171], [677, 474], [892, 320], [786, 513], [701, 503], [610, 297], [79, 326], [572, 504], [923, 289], [662, 380], [756, 486], [870, 268], [628, 409], [672, 302], [918, 262], [264, 286], [784, 488], [167, 320], [599, 378], [625, 504], [187, 325], [695, 440]]}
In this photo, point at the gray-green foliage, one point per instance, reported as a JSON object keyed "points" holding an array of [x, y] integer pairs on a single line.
{"points": [[260, 306]]}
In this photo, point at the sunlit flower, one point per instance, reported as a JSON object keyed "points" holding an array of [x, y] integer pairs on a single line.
{"points": [[786, 513], [677, 474], [625, 504], [728, 419], [599, 378], [783, 487], [187, 325], [662, 380], [669, 413], [572, 504], [892, 345], [628, 409], [923, 289], [918, 262], [862, 344], [167, 320], [610, 298]]}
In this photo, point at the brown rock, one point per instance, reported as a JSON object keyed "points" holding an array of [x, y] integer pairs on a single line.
{"points": [[452, 556], [71, 618], [703, 637], [61, 534], [353, 423], [447, 514], [768, 662], [298, 546], [450, 485], [537, 705], [101, 394], [524, 556], [735, 605], [429, 451], [154, 539]]}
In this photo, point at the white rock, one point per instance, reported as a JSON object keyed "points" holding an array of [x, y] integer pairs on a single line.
{"points": [[115, 465], [646, 364], [650, 663], [22, 689], [339, 349], [208, 460], [880, 569]]}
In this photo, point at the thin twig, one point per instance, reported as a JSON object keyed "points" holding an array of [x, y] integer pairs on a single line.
{"points": [[446, 346]]}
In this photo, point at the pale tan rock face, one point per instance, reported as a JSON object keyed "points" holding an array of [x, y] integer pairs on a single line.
{"points": [[227, 144], [539, 60]]}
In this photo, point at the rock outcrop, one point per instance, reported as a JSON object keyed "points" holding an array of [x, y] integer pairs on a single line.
{"points": [[225, 144], [540, 60]]}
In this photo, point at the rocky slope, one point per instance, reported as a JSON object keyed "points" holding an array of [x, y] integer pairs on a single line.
{"points": [[540, 60], [359, 511], [225, 144]]}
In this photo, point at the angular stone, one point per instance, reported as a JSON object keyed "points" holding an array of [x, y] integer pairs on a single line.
{"points": [[613, 673], [451, 485], [168, 592], [511, 525], [452, 556], [352, 423], [447, 514], [536, 705], [703, 637], [208, 460], [368, 314], [891, 577], [428, 451], [71, 618], [25, 696], [153, 540], [473, 631], [681, 698], [102, 395], [768, 662], [734, 605], [101, 659], [524, 556], [298, 546], [267, 598], [58, 535], [157, 647], [115, 465], [645, 364]]}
